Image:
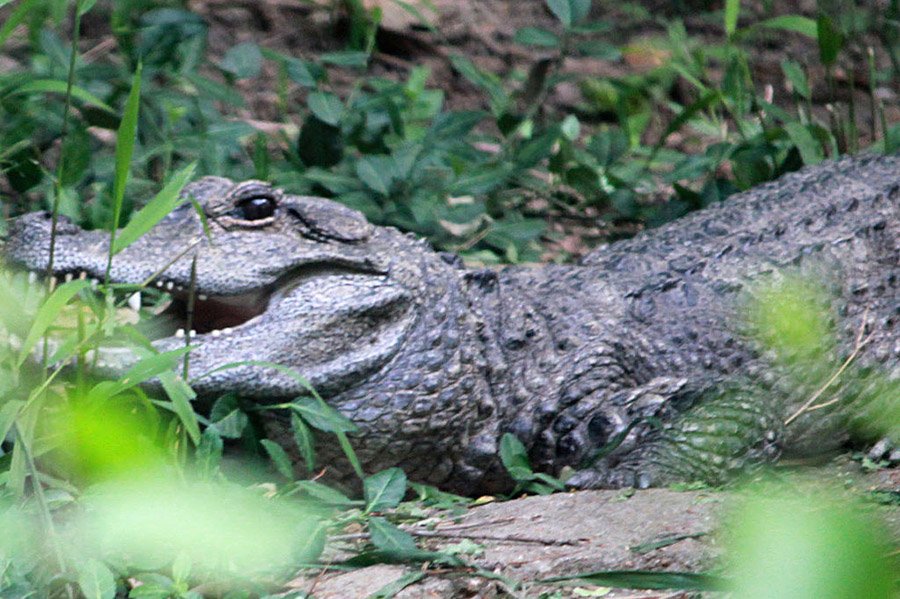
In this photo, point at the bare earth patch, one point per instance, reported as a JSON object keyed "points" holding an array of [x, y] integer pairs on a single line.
{"points": [[567, 533]]}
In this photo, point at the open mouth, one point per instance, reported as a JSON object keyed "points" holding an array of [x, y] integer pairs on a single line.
{"points": [[164, 308], [214, 315]]}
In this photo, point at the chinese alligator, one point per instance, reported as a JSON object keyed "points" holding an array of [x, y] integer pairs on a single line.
{"points": [[641, 349]]}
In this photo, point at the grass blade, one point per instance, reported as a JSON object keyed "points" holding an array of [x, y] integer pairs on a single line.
{"points": [[15, 19], [181, 395], [646, 579], [55, 86], [732, 11], [145, 218], [802, 25], [125, 139], [47, 314], [810, 150]]}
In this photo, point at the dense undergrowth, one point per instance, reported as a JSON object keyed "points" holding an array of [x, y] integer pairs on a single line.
{"points": [[83, 460]]}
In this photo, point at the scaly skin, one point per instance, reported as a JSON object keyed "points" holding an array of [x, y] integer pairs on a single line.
{"points": [[644, 343]]}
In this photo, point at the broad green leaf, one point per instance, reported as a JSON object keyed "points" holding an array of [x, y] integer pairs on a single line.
{"points": [[147, 368], [208, 456], [570, 127], [569, 12], [95, 580], [536, 36], [280, 458], [384, 490], [387, 537], [598, 49], [831, 40], [327, 107], [376, 172], [47, 314], [228, 418], [454, 126], [794, 72], [321, 416], [608, 145], [55, 86], [324, 493], [646, 579], [489, 82], [537, 149], [146, 218], [810, 149], [732, 11], [243, 61], [515, 457], [303, 437]]}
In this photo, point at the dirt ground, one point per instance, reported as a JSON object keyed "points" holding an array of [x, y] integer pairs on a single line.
{"points": [[484, 32], [540, 537]]}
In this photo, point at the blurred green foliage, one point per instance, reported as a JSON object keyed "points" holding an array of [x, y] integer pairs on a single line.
{"points": [[808, 545]]}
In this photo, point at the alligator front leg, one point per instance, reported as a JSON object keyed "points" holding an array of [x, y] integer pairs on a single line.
{"points": [[675, 434]]}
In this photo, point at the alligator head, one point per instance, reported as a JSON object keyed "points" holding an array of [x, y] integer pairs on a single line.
{"points": [[299, 281], [374, 319]]}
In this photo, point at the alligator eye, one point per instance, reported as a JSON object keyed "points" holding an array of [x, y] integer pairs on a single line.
{"points": [[256, 208]]}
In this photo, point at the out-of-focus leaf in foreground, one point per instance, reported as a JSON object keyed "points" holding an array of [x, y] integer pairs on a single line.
{"points": [[808, 547], [221, 529]]}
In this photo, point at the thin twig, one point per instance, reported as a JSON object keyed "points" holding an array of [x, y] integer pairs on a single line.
{"points": [[459, 535], [857, 347], [188, 332]]}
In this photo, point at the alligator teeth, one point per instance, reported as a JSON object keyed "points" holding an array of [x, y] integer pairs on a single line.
{"points": [[159, 284], [170, 285], [134, 302], [202, 297], [179, 288], [52, 283], [32, 278], [82, 276], [179, 333], [193, 333], [227, 330], [69, 277], [216, 333]]}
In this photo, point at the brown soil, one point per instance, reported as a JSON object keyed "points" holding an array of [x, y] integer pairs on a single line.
{"points": [[568, 533]]}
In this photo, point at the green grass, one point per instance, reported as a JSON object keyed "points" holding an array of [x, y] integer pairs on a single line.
{"points": [[388, 148]]}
